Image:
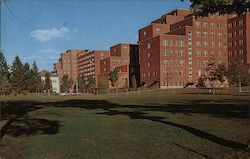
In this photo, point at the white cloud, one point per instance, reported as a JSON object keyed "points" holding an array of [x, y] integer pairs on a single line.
{"points": [[49, 34]]}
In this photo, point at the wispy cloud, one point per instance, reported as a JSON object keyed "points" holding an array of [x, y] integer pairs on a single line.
{"points": [[45, 35]]}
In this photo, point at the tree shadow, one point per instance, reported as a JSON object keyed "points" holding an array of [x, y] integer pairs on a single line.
{"points": [[20, 123]]}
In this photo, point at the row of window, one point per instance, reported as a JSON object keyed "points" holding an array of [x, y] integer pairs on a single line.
{"points": [[174, 83], [212, 35], [173, 62], [173, 53], [235, 24], [173, 73], [173, 43], [206, 54], [149, 74], [235, 43], [206, 24], [212, 44], [235, 53], [240, 33]]}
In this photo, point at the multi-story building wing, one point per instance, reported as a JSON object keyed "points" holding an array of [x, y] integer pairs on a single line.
{"points": [[239, 38], [120, 59], [180, 55], [67, 64], [88, 63]]}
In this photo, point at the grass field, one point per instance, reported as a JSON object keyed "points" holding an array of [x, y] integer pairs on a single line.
{"points": [[156, 124]]}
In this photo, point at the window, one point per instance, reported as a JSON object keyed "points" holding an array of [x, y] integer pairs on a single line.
{"points": [[171, 52], [212, 53], [240, 42], [205, 34], [219, 54], [166, 52], [158, 29], [198, 34], [205, 25], [241, 22], [219, 26], [198, 24], [230, 35], [241, 51], [198, 43], [205, 53], [219, 45], [212, 35], [176, 53], [181, 62], [198, 63], [149, 55], [165, 42], [181, 52], [144, 33], [211, 25], [212, 44], [205, 44], [181, 42], [241, 32], [219, 36], [198, 53], [149, 64], [149, 46]]}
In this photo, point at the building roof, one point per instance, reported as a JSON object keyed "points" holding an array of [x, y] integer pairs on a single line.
{"points": [[43, 72]]}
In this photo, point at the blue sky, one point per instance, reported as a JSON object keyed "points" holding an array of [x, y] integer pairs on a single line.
{"points": [[42, 29]]}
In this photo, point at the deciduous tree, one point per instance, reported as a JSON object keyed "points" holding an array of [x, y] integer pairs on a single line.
{"points": [[113, 77]]}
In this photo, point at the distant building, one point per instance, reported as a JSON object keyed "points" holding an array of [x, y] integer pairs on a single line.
{"points": [[67, 64], [54, 80], [88, 63]]}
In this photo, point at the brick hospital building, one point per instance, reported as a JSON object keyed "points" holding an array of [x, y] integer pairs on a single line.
{"points": [[175, 49]]}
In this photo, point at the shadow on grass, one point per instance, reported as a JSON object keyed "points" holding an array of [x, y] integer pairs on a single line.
{"points": [[20, 123]]}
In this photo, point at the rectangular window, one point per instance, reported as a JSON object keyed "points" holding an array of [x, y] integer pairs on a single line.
{"points": [[149, 46], [198, 43]]}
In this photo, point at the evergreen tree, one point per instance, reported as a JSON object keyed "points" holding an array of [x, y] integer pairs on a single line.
{"points": [[26, 77], [113, 77], [48, 84], [16, 78], [4, 70], [5, 86], [35, 79]]}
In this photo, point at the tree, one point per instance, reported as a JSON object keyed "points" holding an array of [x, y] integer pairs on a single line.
{"points": [[66, 83], [48, 84], [4, 68], [103, 84], [81, 84], [5, 86], [16, 78], [205, 7], [35, 79], [4, 71], [113, 77], [90, 84], [238, 73], [215, 73], [26, 77]]}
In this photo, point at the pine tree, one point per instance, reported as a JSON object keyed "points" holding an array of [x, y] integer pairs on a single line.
{"points": [[81, 84], [16, 78], [35, 81], [4, 70], [5, 86], [26, 77]]}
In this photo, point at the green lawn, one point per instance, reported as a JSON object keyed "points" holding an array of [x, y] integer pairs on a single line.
{"points": [[156, 124]]}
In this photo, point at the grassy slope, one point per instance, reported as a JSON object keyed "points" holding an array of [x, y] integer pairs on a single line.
{"points": [[152, 125]]}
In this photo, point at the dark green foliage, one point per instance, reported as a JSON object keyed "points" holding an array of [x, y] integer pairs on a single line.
{"points": [[35, 79], [205, 7], [238, 73], [103, 84], [201, 82], [113, 77], [4, 68], [81, 84], [26, 77], [66, 84], [16, 76], [5, 86]]}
